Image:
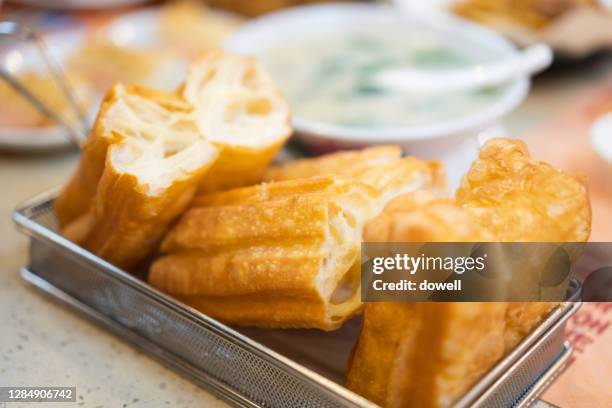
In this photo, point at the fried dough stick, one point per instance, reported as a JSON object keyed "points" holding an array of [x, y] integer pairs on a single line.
{"points": [[198, 267], [381, 166], [238, 108], [430, 354], [140, 169], [522, 200], [424, 354], [272, 255]]}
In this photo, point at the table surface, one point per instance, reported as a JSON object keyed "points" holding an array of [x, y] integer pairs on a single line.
{"points": [[43, 344]]}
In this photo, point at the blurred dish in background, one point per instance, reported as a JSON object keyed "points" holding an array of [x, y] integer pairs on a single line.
{"points": [[532, 14], [22, 127], [152, 46], [257, 7], [190, 27], [332, 79], [90, 65], [323, 57], [19, 113], [574, 28], [79, 4], [149, 47], [184, 28], [103, 63]]}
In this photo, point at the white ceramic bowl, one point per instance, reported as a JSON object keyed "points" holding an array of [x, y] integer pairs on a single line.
{"points": [[436, 140]]}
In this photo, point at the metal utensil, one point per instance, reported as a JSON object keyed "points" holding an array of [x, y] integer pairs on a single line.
{"points": [[76, 132], [418, 80]]}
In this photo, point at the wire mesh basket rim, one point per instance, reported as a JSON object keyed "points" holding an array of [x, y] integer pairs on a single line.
{"points": [[25, 218]]}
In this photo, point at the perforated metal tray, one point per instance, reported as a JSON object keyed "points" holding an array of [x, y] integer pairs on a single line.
{"points": [[252, 367]]}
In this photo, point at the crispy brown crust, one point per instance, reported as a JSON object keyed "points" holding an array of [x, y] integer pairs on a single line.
{"points": [[257, 255], [381, 167], [272, 311], [76, 197], [239, 166], [271, 191], [213, 251], [208, 228], [429, 354], [423, 217], [424, 354], [342, 163], [291, 271], [522, 200], [239, 162], [111, 212], [126, 223]]}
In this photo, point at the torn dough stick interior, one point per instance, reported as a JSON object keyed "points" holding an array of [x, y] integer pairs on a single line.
{"points": [[343, 212], [522, 200], [273, 255], [238, 108], [154, 160], [112, 128], [424, 354]]}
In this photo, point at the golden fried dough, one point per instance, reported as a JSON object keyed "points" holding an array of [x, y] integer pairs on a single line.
{"points": [[524, 14], [423, 217], [238, 108], [75, 198], [522, 200], [273, 191], [139, 171], [189, 27], [430, 354], [214, 232], [340, 163], [273, 255], [424, 354], [381, 167]]}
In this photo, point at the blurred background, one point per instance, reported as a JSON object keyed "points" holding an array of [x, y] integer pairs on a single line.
{"points": [[335, 63], [355, 73]]}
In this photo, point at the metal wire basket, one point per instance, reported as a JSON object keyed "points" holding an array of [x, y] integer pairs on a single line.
{"points": [[250, 368]]}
